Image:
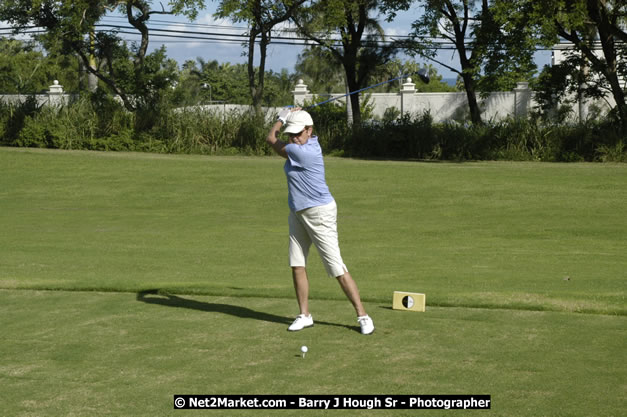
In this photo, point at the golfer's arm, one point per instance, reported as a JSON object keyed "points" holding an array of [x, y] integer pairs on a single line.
{"points": [[273, 139]]}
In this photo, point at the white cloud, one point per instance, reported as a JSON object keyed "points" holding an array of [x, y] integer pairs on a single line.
{"points": [[209, 19]]}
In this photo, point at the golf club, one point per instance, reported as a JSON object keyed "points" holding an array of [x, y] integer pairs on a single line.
{"points": [[422, 73]]}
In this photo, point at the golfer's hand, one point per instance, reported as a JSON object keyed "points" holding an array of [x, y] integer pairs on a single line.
{"points": [[283, 115]]}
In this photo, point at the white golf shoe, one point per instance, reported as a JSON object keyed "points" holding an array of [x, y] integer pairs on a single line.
{"points": [[366, 323], [301, 322]]}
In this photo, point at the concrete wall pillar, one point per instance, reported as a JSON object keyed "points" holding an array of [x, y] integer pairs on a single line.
{"points": [[299, 93], [56, 97], [522, 99], [408, 91]]}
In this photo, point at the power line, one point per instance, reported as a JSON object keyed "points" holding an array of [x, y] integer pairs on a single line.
{"points": [[157, 22], [208, 37], [178, 36], [280, 40]]}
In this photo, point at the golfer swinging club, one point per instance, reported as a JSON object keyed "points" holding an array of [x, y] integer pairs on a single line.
{"points": [[313, 214]]}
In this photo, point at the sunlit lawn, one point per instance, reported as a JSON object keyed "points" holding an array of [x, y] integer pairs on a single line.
{"points": [[128, 278]]}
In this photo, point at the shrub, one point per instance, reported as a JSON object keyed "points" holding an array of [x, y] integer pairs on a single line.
{"points": [[12, 119], [100, 123], [330, 124], [616, 153]]}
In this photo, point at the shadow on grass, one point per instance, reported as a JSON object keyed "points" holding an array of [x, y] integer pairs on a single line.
{"points": [[161, 298]]}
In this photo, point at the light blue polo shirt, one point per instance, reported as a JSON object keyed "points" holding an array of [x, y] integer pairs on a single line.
{"points": [[304, 168]]}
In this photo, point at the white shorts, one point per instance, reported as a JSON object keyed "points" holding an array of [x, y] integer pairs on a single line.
{"points": [[317, 225]]}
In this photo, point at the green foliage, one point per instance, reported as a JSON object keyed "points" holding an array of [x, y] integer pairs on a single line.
{"points": [[506, 42], [13, 117], [320, 70], [391, 114], [406, 138], [594, 67], [205, 82], [25, 69], [512, 139], [100, 123], [330, 123], [494, 40], [323, 75], [261, 16], [613, 153], [551, 88], [402, 70], [80, 125], [359, 51], [19, 65], [69, 29]]}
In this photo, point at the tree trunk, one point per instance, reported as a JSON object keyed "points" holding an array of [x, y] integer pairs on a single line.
{"points": [[258, 95], [460, 28], [598, 13], [471, 94], [128, 104], [617, 91], [251, 71], [139, 23], [349, 63]]}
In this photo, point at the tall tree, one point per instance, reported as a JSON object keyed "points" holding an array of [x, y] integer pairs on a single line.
{"points": [[361, 46], [597, 30], [74, 21], [262, 16], [494, 47], [453, 21], [506, 41]]}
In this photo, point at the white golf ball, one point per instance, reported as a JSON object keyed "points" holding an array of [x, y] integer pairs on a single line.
{"points": [[304, 349]]}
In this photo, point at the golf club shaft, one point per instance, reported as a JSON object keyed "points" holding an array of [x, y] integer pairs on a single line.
{"points": [[360, 90]]}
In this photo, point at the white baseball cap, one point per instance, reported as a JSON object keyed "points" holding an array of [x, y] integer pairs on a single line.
{"points": [[297, 121]]}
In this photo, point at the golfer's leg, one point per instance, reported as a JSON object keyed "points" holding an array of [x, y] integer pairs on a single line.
{"points": [[299, 250], [352, 292], [301, 285]]}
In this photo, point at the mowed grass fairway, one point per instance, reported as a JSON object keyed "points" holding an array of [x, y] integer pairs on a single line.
{"points": [[128, 278]]}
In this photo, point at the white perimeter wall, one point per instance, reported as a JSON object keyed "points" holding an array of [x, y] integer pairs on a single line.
{"points": [[441, 106]]}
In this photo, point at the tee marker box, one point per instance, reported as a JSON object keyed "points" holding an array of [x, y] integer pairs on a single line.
{"points": [[408, 301]]}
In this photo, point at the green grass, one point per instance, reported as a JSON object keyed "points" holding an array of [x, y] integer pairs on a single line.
{"points": [[121, 354], [490, 243], [501, 235]]}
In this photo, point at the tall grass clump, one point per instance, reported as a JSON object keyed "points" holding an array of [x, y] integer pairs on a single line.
{"points": [[517, 139], [194, 130], [198, 130], [212, 132], [81, 124], [615, 153]]}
